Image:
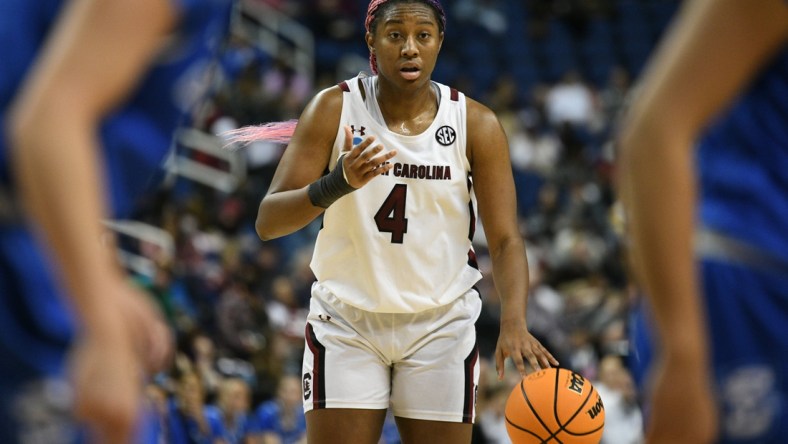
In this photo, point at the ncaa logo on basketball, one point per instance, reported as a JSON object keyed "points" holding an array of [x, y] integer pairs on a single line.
{"points": [[576, 383], [445, 135]]}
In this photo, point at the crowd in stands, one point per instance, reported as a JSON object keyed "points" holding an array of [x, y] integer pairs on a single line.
{"points": [[238, 305]]}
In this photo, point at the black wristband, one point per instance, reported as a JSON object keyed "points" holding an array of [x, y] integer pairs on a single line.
{"points": [[326, 190]]}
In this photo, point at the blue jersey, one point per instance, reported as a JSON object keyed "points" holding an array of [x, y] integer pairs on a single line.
{"points": [[742, 247], [35, 325], [743, 164]]}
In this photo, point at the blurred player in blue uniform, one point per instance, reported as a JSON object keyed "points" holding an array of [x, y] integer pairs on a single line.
{"points": [[705, 182], [90, 94]]}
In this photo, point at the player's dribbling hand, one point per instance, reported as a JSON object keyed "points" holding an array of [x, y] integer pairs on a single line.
{"points": [[516, 342], [364, 162]]}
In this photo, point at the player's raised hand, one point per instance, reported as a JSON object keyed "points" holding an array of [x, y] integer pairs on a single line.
{"points": [[364, 162]]}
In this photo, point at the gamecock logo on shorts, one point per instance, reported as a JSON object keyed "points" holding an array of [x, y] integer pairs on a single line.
{"points": [[307, 386]]}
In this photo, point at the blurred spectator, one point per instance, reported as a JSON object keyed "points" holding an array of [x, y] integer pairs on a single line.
{"points": [[204, 363], [623, 418], [281, 420], [268, 265], [490, 427], [159, 288], [582, 356], [614, 94], [242, 320], [287, 316], [545, 312], [232, 408], [570, 101], [532, 149], [542, 222], [576, 251], [187, 419], [301, 275], [504, 100]]}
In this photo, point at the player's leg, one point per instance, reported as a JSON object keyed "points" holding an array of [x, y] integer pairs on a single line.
{"points": [[433, 393], [415, 431], [342, 426], [346, 379]]}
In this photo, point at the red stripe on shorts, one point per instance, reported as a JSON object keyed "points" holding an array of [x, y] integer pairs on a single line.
{"points": [[318, 368], [470, 386]]}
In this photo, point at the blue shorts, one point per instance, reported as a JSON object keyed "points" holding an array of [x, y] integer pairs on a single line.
{"points": [[748, 318], [747, 311], [35, 331]]}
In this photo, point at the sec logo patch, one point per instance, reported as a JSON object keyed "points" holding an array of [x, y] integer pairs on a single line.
{"points": [[445, 135]]}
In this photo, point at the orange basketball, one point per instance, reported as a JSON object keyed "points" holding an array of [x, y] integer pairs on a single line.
{"points": [[555, 405]]}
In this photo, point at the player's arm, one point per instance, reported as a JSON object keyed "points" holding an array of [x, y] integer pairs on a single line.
{"points": [[287, 207], [92, 59], [271, 438], [488, 151], [88, 65], [710, 54]]}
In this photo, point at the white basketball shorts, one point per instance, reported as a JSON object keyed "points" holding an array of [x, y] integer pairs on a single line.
{"points": [[423, 365]]}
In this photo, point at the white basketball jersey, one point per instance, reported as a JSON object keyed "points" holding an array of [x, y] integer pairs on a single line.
{"points": [[402, 242]]}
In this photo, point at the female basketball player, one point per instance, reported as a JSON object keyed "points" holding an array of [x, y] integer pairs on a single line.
{"points": [[713, 111], [90, 92], [393, 309]]}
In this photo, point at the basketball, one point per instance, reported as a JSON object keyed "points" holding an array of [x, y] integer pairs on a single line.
{"points": [[555, 405]]}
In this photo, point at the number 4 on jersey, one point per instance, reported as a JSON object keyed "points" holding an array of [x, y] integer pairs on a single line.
{"points": [[390, 218]]}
